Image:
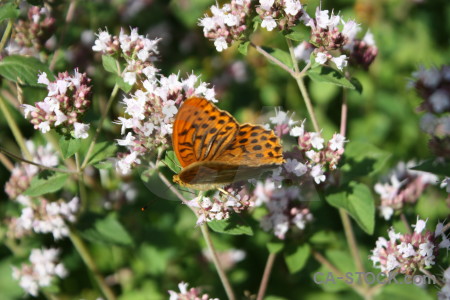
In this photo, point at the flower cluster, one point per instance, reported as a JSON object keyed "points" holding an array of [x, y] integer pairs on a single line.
{"points": [[283, 14], [219, 206], [408, 253], [226, 24], [404, 186], [44, 268], [47, 217], [29, 35], [151, 110], [331, 34], [433, 86], [191, 294], [138, 51], [22, 173], [67, 101]]}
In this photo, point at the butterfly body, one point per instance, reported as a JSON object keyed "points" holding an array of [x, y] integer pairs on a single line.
{"points": [[215, 150]]}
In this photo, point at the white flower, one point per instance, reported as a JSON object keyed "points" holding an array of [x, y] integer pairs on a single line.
{"points": [[129, 77], [440, 101], [231, 20], [169, 109], [43, 78], [351, 28], [321, 58], [407, 250], [143, 54], [268, 23], [44, 127], [303, 51], [128, 141], [60, 117], [220, 44], [101, 43], [337, 142], [386, 212], [420, 225], [426, 249], [294, 166], [316, 140], [341, 61], [81, 130], [391, 263], [317, 174], [27, 109], [266, 4], [369, 39], [297, 131], [292, 7]]}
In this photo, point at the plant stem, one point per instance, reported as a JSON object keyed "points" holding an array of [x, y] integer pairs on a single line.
{"points": [[81, 187], [351, 239], [90, 263], [273, 59], [6, 34], [431, 276], [223, 277], [100, 125], [15, 129], [266, 276], [5, 161], [344, 109]]}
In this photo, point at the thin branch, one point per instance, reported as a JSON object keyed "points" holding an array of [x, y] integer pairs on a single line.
{"points": [[431, 276], [351, 239], [5, 161], [100, 125], [223, 277], [82, 249], [344, 110], [309, 107], [273, 59], [2, 150], [266, 276]]}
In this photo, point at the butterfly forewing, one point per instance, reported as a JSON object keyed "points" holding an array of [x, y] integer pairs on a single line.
{"points": [[201, 131]]}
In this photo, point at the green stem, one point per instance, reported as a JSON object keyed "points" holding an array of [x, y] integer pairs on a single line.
{"points": [[223, 277], [90, 263], [81, 187], [351, 239], [298, 76], [100, 125], [266, 276], [15, 129], [273, 59], [6, 34]]}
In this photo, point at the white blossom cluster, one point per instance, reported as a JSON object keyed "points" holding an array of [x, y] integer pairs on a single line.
{"points": [[444, 293], [47, 217], [67, 101], [188, 294], [283, 14], [44, 268], [151, 112], [138, 52], [408, 253], [404, 186]]}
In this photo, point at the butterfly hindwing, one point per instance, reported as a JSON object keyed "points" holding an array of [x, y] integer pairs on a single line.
{"points": [[201, 131]]}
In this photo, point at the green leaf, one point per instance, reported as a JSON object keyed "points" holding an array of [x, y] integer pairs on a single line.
{"points": [[256, 22], [362, 159], [329, 75], [9, 11], [123, 85], [69, 145], [275, 246], [434, 166], [23, 70], [233, 225], [46, 182], [358, 86], [298, 33], [243, 47], [402, 291], [356, 199], [171, 160], [104, 165], [105, 230], [297, 257], [109, 63], [102, 151], [281, 55]]}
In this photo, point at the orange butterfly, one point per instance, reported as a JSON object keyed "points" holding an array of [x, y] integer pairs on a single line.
{"points": [[215, 150]]}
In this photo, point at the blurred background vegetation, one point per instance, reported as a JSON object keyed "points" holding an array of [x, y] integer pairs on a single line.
{"points": [[166, 247]]}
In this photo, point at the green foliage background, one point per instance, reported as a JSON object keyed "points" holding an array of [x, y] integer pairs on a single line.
{"points": [[149, 252]]}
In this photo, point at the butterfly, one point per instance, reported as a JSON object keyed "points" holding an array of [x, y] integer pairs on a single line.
{"points": [[215, 150]]}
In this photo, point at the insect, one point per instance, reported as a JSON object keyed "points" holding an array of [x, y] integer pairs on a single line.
{"points": [[215, 150]]}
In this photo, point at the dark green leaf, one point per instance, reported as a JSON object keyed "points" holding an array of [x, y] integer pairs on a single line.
{"points": [[357, 200], [105, 230], [281, 55], [102, 151], [256, 22], [69, 146], [23, 70], [171, 160], [362, 159], [46, 182], [358, 86], [329, 75], [243, 47], [434, 166], [123, 85], [298, 33], [297, 257], [8, 11], [109, 63], [233, 225]]}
